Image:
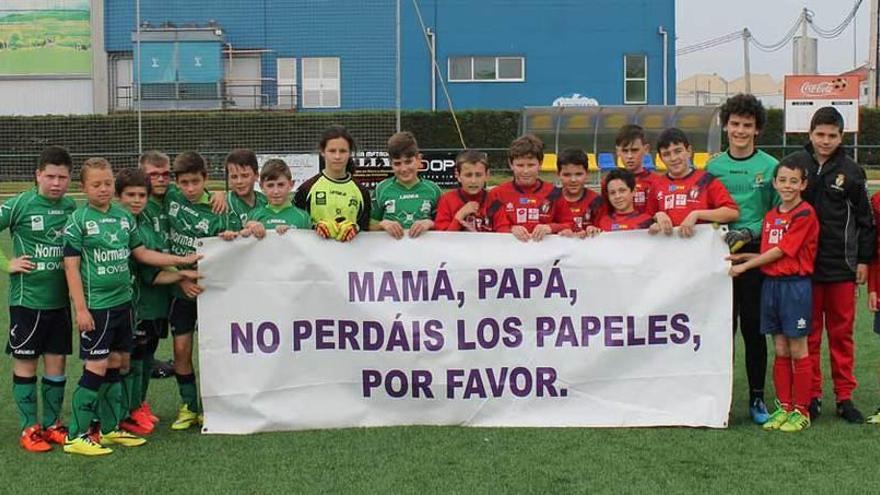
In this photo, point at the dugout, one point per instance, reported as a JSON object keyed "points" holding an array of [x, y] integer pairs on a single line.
{"points": [[593, 129]]}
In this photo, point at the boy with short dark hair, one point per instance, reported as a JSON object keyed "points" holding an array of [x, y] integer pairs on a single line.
{"points": [[527, 201], [620, 188], [686, 196], [789, 239], [746, 173], [99, 239], [404, 202], [847, 243], [578, 207], [467, 208], [39, 310], [190, 217], [242, 171], [279, 214], [632, 146]]}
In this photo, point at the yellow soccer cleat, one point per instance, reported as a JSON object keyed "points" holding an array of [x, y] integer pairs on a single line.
{"points": [[777, 419], [84, 445], [185, 419], [797, 421], [122, 437]]}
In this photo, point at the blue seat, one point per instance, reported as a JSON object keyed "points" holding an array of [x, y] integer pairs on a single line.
{"points": [[606, 162], [648, 162]]}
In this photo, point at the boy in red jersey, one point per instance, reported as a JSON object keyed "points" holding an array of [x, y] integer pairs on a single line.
{"points": [[873, 288], [620, 189], [577, 208], [789, 242], [467, 208], [632, 147], [527, 200], [686, 196]]}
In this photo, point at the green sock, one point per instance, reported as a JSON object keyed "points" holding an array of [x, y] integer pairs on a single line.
{"points": [[188, 393], [24, 390], [125, 383], [53, 399], [146, 375], [133, 383], [84, 403], [110, 403]]}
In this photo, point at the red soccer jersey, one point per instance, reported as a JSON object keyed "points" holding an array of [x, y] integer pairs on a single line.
{"points": [[695, 191], [489, 218], [874, 267], [627, 221], [580, 214], [796, 233], [646, 185], [527, 207]]}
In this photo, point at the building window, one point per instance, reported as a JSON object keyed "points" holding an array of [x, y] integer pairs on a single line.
{"points": [[635, 79], [286, 82], [320, 82], [487, 69]]}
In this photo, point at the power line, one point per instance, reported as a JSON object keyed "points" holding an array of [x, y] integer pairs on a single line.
{"points": [[840, 28]]}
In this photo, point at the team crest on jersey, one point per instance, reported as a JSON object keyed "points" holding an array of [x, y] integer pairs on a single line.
{"points": [[352, 203], [390, 206], [202, 226], [123, 223], [37, 224], [321, 198], [545, 207], [410, 217], [838, 181], [92, 227], [694, 194], [173, 208], [426, 207], [759, 179]]}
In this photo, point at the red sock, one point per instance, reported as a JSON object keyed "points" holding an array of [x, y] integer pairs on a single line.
{"points": [[782, 379], [802, 384]]}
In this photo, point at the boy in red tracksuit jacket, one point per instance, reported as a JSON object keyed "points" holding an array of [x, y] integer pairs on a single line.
{"points": [[467, 208], [527, 200], [578, 208]]}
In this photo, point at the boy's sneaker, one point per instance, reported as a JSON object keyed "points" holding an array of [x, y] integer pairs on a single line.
{"points": [[123, 438], [56, 434], [815, 408], [185, 419], [758, 411], [874, 419], [83, 445], [777, 419], [135, 427], [796, 422], [847, 410], [147, 412], [32, 440]]}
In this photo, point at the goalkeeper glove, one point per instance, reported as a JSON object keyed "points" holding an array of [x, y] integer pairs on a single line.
{"points": [[327, 229], [737, 238], [346, 230]]}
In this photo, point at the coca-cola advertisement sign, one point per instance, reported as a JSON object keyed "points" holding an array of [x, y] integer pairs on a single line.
{"points": [[806, 94], [821, 87]]}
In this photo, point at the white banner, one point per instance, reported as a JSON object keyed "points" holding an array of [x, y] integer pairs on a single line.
{"points": [[465, 329]]}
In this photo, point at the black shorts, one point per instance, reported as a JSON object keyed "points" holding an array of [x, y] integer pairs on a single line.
{"points": [[183, 316], [34, 332], [151, 329], [112, 333]]}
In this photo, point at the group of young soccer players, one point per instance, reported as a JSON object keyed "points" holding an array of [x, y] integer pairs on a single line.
{"points": [[801, 235]]}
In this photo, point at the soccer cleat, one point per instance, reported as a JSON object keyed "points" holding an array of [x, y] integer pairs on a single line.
{"points": [[134, 427], [83, 445], [815, 408], [874, 419], [796, 422], [185, 419], [142, 417], [32, 440], [847, 410], [758, 411], [145, 407], [162, 369], [777, 419], [56, 433], [123, 438]]}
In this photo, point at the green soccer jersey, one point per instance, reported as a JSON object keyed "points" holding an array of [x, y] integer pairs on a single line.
{"points": [[330, 199], [154, 214], [405, 205], [750, 183], [187, 222], [238, 209], [272, 216], [36, 225], [104, 241], [151, 301]]}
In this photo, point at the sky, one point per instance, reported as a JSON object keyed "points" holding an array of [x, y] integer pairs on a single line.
{"points": [[768, 21]]}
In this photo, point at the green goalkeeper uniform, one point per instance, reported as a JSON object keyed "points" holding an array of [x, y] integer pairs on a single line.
{"points": [[405, 204], [750, 183]]}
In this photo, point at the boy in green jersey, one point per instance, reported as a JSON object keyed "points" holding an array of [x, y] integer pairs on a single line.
{"points": [[39, 310], [190, 217], [150, 301], [242, 171], [747, 173], [404, 202], [99, 239], [280, 214]]}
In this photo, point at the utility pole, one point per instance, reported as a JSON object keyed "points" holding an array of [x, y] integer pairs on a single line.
{"points": [[872, 55], [747, 71]]}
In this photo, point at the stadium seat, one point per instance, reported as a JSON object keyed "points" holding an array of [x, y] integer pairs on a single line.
{"points": [[648, 162], [549, 163], [606, 162]]}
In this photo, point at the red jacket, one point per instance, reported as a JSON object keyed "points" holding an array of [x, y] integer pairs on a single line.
{"points": [[580, 214], [527, 207], [697, 190], [489, 218]]}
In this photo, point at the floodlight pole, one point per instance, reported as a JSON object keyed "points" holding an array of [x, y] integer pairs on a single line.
{"points": [[872, 55], [397, 82], [140, 120]]}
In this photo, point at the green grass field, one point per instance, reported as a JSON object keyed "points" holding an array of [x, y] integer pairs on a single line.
{"points": [[832, 456]]}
